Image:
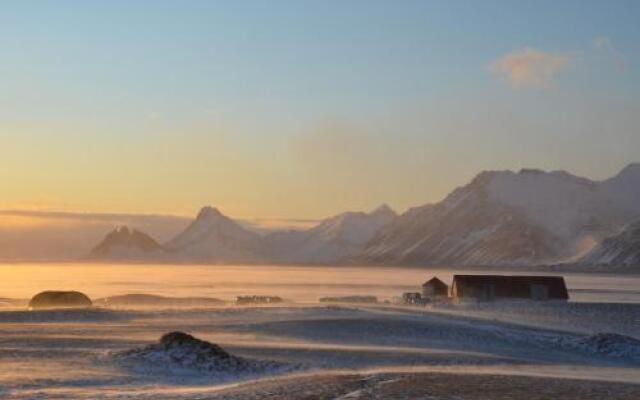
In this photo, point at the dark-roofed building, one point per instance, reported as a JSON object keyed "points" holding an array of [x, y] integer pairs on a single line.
{"points": [[492, 287], [434, 287]]}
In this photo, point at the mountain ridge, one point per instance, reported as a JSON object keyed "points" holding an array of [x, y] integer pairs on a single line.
{"points": [[522, 218]]}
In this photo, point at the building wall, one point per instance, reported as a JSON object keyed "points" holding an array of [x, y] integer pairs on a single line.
{"points": [[536, 288]]}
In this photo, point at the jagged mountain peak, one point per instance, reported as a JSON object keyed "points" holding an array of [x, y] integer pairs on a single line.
{"points": [[526, 174], [214, 237], [383, 209], [125, 243], [208, 212]]}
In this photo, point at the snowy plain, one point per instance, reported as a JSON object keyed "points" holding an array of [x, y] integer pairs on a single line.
{"points": [[74, 353]]}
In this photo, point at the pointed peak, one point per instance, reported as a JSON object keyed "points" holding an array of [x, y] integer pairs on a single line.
{"points": [[383, 209], [208, 212]]}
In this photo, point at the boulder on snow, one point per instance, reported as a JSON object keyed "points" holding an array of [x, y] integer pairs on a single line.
{"points": [[179, 354], [59, 299]]}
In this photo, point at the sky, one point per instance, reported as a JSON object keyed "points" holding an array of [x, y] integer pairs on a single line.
{"points": [[304, 109]]}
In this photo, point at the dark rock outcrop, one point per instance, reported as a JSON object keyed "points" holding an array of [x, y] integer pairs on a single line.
{"points": [[59, 299], [180, 354]]}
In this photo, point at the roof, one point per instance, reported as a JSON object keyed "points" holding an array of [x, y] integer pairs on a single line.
{"points": [[479, 279], [434, 281]]}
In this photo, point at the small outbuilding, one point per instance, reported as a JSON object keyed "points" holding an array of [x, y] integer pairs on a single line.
{"points": [[492, 287], [434, 287]]}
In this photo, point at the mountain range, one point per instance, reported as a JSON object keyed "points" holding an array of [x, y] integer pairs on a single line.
{"points": [[529, 217]]}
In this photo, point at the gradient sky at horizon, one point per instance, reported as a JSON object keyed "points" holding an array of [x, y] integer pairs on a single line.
{"points": [[303, 109]]}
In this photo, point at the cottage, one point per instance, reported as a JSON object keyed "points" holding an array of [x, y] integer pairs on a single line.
{"points": [[434, 287], [492, 287]]}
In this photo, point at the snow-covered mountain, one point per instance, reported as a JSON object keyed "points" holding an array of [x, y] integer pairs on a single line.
{"points": [[620, 250], [125, 244], [503, 217], [214, 237], [499, 218], [332, 240]]}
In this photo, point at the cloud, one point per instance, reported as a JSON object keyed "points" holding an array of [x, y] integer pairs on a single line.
{"points": [[529, 67], [603, 43]]}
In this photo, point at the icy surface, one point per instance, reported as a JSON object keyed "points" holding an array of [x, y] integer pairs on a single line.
{"points": [[114, 353]]}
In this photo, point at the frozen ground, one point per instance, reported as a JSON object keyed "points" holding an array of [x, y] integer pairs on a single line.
{"points": [[304, 349]]}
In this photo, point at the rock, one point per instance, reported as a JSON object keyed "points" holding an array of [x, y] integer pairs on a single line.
{"points": [[59, 299], [179, 354], [184, 341]]}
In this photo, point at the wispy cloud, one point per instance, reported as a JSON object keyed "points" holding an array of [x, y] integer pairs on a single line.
{"points": [[529, 67], [604, 43]]}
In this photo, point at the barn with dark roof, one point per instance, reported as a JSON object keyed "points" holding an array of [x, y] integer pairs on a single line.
{"points": [[492, 287]]}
